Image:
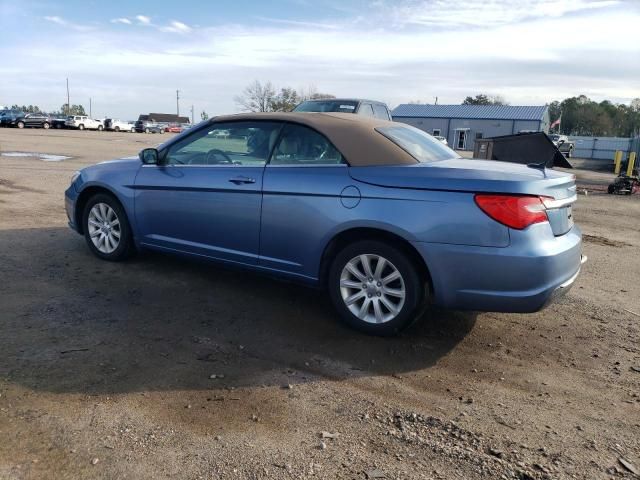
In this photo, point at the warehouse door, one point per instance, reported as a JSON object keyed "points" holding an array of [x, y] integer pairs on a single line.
{"points": [[461, 139]]}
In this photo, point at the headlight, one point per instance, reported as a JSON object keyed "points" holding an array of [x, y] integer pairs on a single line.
{"points": [[74, 177]]}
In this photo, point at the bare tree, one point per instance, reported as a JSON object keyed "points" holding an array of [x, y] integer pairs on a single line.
{"points": [[256, 97]]}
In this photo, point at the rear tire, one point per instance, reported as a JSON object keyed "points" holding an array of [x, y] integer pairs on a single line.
{"points": [[20, 124], [146, 130], [45, 125], [106, 228], [382, 298], [80, 127], [117, 129], [100, 128]]}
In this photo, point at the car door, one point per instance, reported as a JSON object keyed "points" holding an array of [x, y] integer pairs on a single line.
{"points": [[301, 202], [205, 199]]}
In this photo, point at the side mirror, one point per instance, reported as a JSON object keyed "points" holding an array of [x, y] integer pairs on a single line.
{"points": [[149, 156]]}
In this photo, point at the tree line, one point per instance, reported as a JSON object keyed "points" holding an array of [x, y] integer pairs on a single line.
{"points": [[64, 109], [582, 116]]}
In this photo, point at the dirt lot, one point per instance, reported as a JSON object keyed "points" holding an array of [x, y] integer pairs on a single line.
{"points": [[106, 369]]}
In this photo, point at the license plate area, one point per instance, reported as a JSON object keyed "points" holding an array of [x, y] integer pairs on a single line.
{"points": [[569, 210]]}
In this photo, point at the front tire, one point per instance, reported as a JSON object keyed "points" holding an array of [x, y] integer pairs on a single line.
{"points": [[117, 129], [20, 124], [80, 127], [106, 228], [100, 128], [45, 125], [375, 288]]}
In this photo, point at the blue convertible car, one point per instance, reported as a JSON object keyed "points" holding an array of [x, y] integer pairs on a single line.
{"points": [[384, 216]]}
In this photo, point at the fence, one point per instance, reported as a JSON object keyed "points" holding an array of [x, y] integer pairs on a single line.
{"points": [[635, 146], [603, 148]]}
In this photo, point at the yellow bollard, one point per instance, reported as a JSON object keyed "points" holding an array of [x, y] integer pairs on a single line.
{"points": [[617, 159], [632, 161]]}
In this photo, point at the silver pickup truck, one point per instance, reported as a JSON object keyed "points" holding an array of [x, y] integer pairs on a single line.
{"points": [[563, 143]]}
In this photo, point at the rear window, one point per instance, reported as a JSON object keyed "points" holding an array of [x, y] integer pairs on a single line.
{"points": [[420, 145], [327, 106]]}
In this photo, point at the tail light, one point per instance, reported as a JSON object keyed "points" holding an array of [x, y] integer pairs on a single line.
{"points": [[515, 211]]}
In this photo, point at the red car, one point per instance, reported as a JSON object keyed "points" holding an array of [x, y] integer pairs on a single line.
{"points": [[173, 128]]}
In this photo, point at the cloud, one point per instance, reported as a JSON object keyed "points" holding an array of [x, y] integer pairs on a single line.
{"points": [[176, 27], [122, 20], [58, 20], [481, 13], [529, 61], [143, 20], [65, 23]]}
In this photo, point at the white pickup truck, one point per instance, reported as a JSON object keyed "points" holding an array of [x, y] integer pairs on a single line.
{"points": [[82, 122]]}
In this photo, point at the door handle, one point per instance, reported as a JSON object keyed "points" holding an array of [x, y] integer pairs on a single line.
{"points": [[241, 179]]}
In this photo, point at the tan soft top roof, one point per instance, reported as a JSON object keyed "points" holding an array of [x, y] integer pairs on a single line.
{"points": [[353, 135]]}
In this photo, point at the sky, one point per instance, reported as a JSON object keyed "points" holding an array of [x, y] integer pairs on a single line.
{"points": [[131, 57]]}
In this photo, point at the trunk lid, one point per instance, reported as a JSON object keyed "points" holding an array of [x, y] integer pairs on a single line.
{"points": [[482, 176]]}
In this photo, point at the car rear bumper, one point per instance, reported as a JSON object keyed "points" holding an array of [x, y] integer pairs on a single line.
{"points": [[524, 277]]}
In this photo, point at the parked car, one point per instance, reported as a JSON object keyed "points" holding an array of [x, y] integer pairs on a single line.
{"points": [[173, 128], [149, 127], [35, 120], [367, 108], [441, 139], [119, 125], [10, 118], [563, 143], [59, 122], [380, 213], [82, 122]]}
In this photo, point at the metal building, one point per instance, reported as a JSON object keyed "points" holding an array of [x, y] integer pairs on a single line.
{"points": [[462, 124]]}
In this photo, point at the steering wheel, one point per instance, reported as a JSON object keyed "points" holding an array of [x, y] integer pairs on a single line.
{"points": [[320, 151], [210, 159]]}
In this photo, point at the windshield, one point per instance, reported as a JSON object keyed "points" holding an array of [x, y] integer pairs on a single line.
{"points": [[420, 145], [554, 137], [327, 106]]}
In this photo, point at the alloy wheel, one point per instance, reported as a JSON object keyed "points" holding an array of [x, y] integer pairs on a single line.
{"points": [[104, 228], [372, 288]]}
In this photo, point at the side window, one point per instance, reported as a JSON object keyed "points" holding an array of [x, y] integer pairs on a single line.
{"points": [[300, 145], [381, 112], [234, 143], [366, 110]]}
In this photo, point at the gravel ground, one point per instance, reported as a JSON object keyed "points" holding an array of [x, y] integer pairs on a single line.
{"points": [[164, 368]]}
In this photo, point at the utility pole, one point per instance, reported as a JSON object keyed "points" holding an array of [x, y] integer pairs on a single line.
{"points": [[436, 101], [192, 117], [90, 116], [178, 103], [68, 102]]}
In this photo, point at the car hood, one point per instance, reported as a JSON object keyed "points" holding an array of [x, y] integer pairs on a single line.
{"points": [[465, 175], [117, 165]]}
